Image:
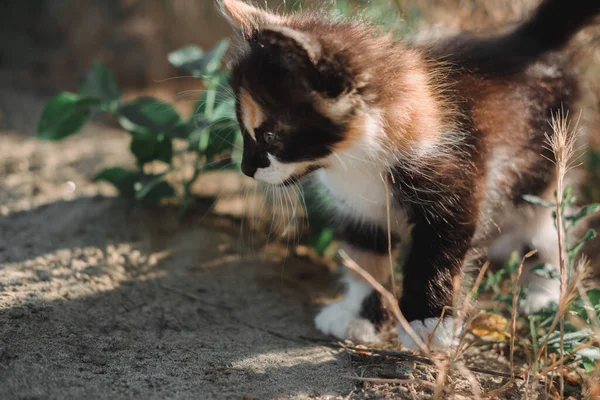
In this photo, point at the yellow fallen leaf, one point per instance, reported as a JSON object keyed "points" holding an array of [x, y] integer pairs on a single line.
{"points": [[490, 327]]}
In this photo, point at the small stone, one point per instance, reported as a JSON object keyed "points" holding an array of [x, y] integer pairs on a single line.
{"points": [[15, 313], [43, 275], [99, 360]]}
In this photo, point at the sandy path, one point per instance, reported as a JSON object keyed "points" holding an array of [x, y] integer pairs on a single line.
{"points": [[101, 301]]}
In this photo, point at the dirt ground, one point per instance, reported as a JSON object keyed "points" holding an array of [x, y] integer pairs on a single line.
{"points": [[101, 300]]}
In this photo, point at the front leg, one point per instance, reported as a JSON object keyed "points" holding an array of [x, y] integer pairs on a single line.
{"points": [[440, 248], [357, 315]]}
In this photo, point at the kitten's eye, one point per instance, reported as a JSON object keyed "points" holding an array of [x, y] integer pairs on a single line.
{"points": [[270, 138]]}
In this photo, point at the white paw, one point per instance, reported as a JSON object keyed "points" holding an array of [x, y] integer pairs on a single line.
{"points": [[343, 323], [541, 293], [436, 335]]}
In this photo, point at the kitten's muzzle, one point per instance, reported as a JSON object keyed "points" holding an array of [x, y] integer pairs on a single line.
{"points": [[253, 157]]}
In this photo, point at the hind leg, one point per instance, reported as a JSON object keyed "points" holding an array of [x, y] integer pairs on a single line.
{"points": [[534, 229], [542, 236]]}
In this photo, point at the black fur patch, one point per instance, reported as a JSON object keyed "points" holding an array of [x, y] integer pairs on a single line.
{"points": [[549, 29], [372, 309], [365, 236], [282, 84]]}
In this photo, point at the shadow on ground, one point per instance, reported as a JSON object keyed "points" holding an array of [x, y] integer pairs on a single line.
{"points": [[100, 301]]}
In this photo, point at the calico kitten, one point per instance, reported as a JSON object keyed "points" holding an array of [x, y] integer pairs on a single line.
{"points": [[456, 126]]}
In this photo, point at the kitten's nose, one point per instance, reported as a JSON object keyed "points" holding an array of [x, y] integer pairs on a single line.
{"points": [[248, 170]]}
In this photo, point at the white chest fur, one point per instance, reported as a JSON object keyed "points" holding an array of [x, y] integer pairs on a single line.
{"points": [[359, 191]]}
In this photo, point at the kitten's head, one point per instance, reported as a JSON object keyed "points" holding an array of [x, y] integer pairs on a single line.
{"points": [[295, 94]]}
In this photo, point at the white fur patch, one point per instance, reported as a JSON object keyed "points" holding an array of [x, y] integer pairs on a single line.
{"points": [[541, 292], [355, 177], [342, 318], [436, 335], [277, 172]]}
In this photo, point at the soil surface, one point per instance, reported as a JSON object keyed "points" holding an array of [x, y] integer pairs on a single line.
{"points": [[102, 300]]}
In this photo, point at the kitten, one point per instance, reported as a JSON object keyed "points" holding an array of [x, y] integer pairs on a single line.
{"points": [[455, 126]]}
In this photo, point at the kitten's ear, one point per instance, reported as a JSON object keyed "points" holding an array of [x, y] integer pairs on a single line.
{"points": [[302, 54], [247, 17], [288, 43]]}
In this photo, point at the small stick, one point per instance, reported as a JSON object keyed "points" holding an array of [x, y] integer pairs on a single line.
{"points": [[560, 362], [513, 319], [386, 380], [493, 394], [468, 374], [440, 381], [405, 356], [387, 297]]}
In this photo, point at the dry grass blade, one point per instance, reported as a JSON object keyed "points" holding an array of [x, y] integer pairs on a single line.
{"points": [[562, 143], [468, 374], [560, 362], [513, 319], [465, 307], [388, 299], [389, 235]]}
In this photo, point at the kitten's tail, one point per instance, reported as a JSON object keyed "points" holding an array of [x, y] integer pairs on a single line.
{"points": [[552, 25], [550, 28]]}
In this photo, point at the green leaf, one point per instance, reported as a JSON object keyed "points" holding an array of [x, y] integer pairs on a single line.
{"points": [[148, 147], [123, 179], [321, 240], [150, 189], [591, 209], [224, 110], [185, 56], [221, 139], [538, 201], [99, 83], [588, 365], [149, 115], [546, 271], [210, 100], [196, 61], [147, 189], [574, 250], [64, 116], [594, 296]]}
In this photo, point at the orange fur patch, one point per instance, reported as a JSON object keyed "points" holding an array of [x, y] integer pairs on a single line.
{"points": [[252, 115]]}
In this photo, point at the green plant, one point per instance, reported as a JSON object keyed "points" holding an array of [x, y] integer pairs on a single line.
{"points": [[540, 328], [158, 133]]}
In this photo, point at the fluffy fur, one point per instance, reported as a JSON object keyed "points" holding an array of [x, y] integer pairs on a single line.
{"points": [[457, 126]]}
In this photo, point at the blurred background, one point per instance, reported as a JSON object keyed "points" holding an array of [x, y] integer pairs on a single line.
{"points": [[47, 44], [111, 292]]}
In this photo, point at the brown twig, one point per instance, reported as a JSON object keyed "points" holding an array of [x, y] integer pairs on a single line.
{"points": [[406, 356], [468, 374], [387, 380], [493, 394]]}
